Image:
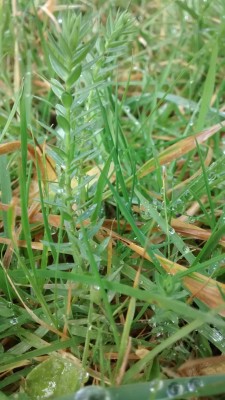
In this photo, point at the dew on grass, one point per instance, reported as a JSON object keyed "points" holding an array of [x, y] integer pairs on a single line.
{"points": [[194, 384], [154, 386], [157, 205], [217, 335], [92, 393], [211, 177], [185, 250], [54, 230], [13, 321], [145, 214], [175, 389], [186, 194], [84, 377], [60, 191], [171, 231], [127, 109], [178, 206], [212, 268]]}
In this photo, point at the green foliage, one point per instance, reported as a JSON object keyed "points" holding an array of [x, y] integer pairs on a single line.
{"points": [[103, 96], [54, 377]]}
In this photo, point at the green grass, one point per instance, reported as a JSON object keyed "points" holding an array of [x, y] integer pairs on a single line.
{"points": [[112, 192]]}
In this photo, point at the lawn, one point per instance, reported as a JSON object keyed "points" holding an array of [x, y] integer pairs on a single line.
{"points": [[112, 154]]}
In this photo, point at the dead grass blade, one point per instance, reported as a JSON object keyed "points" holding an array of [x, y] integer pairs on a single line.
{"points": [[201, 287], [176, 150], [193, 231], [183, 183], [36, 154], [203, 366]]}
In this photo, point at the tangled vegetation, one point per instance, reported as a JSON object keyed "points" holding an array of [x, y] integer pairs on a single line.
{"points": [[112, 195]]}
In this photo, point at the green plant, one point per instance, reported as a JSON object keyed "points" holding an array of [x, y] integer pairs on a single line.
{"points": [[112, 182]]}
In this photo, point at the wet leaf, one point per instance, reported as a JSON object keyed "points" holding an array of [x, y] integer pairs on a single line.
{"points": [[56, 376]]}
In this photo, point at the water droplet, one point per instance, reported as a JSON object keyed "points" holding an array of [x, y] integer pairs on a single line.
{"points": [[154, 203], [85, 376], [13, 321], [212, 268], [194, 384], [60, 20], [175, 389], [186, 194], [185, 250], [145, 214], [127, 109], [152, 389], [54, 230], [191, 123], [171, 230], [154, 386], [211, 176], [158, 205], [217, 335], [92, 393], [178, 206]]}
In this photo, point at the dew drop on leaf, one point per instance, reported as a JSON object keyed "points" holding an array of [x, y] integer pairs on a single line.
{"points": [[175, 389], [194, 384], [92, 393]]}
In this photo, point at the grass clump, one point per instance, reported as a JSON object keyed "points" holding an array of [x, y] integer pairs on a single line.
{"points": [[112, 182]]}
